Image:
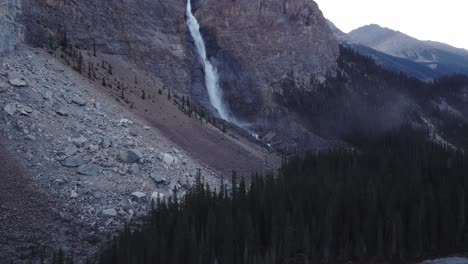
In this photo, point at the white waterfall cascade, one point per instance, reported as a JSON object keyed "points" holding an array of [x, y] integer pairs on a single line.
{"points": [[211, 74]]}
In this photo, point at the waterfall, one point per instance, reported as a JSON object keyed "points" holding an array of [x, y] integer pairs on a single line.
{"points": [[211, 74]]}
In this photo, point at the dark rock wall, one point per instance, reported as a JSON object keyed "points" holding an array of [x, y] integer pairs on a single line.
{"points": [[150, 32], [270, 40], [254, 44]]}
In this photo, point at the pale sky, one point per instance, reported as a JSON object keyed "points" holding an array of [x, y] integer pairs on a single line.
{"points": [[439, 20]]}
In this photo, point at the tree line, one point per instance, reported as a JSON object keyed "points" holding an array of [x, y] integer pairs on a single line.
{"points": [[397, 198]]}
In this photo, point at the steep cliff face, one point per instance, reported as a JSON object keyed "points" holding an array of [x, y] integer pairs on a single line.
{"points": [[149, 32], [255, 45], [258, 43], [10, 30]]}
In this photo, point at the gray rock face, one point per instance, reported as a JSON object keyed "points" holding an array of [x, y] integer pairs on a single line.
{"points": [[154, 34], [73, 161], [279, 34], [254, 44], [10, 30], [149, 32]]}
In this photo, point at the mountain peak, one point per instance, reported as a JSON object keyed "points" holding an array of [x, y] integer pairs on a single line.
{"points": [[432, 54]]}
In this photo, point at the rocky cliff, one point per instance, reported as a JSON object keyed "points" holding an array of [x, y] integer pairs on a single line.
{"points": [[150, 33], [10, 30], [254, 43], [258, 43]]}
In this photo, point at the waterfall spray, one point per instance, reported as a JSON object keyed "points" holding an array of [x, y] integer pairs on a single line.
{"points": [[211, 73]]}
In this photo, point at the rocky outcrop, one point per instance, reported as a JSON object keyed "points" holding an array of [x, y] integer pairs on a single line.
{"points": [[10, 30], [254, 44], [150, 33], [257, 43]]}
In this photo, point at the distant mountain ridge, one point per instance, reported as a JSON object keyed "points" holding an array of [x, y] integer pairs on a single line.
{"points": [[400, 52]]}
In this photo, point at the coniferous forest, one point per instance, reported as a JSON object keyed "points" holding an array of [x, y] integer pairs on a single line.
{"points": [[396, 199], [389, 196]]}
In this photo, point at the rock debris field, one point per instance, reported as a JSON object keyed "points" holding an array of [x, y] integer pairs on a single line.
{"points": [[102, 165]]}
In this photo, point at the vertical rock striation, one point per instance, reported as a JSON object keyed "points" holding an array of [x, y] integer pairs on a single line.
{"points": [[255, 45], [10, 30], [151, 33], [262, 42]]}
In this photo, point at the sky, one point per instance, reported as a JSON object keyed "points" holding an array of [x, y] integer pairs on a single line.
{"points": [[438, 20]]}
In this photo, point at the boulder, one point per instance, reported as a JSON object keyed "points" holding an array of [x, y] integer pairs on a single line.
{"points": [[62, 112], [47, 95], [106, 143], [134, 169], [158, 178], [10, 109], [3, 87], [111, 212], [130, 156], [25, 110], [17, 82], [168, 158], [107, 173], [73, 194], [93, 147], [79, 141], [73, 161], [70, 149], [30, 137], [139, 195], [88, 170], [78, 101]]}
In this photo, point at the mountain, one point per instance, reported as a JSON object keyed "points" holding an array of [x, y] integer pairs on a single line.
{"points": [[104, 111], [250, 62], [440, 57], [388, 61], [154, 36]]}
